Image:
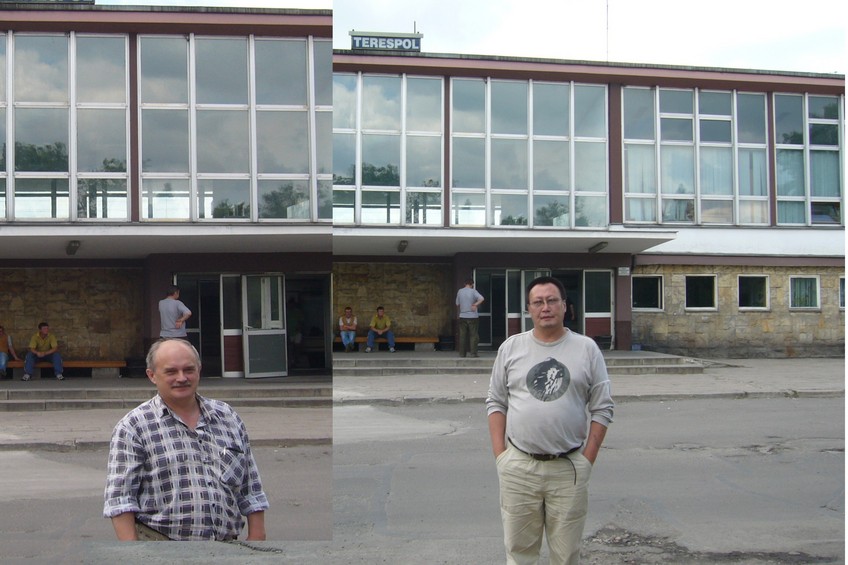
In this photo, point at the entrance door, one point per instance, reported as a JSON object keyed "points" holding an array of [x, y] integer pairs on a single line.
{"points": [[598, 300], [488, 283], [504, 312], [264, 336], [572, 280], [200, 295]]}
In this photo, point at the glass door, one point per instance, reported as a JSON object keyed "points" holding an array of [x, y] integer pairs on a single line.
{"points": [[264, 336], [598, 301]]}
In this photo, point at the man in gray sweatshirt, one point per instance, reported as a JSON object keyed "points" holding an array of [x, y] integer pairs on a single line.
{"points": [[549, 407]]}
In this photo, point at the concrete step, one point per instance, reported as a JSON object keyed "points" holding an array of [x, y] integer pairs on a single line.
{"points": [[618, 363], [58, 392], [388, 371], [382, 361]]}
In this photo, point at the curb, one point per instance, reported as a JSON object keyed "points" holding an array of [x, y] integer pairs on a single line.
{"points": [[736, 395], [81, 445]]}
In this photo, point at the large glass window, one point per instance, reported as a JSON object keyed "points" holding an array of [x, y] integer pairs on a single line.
{"points": [[535, 152], [69, 111], [41, 69], [230, 142], [808, 156], [387, 149], [694, 157], [218, 139], [281, 72], [42, 127]]}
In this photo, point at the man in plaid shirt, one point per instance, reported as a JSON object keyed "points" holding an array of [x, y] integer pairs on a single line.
{"points": [[180, 464]]}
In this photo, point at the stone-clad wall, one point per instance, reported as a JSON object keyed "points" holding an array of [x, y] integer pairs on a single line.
{"points": [[729, 332], [95, 313], [419, 298]]}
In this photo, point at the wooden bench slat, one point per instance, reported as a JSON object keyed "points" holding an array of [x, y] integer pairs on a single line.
{"points": [[405, 339]]}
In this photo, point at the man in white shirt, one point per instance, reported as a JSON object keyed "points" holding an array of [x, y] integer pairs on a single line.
{"points": [[544, 383]]}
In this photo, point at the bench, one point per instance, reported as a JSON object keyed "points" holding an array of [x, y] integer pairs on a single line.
{"points": [[69, 364], [420, 343]]}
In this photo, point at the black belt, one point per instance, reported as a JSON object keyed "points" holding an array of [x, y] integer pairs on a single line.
{"points": [[547, 456]]}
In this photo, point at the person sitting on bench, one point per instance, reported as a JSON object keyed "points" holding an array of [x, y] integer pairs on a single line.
{"points": [[43, 347], [381, 326]]}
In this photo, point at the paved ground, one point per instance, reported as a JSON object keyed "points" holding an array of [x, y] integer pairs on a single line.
{"points": [[722, 378], [292, 426]]}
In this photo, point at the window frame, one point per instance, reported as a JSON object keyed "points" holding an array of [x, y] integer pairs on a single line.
{"points": [[807, 148], [767, 280], [714, 307], [817, 306], [660, 293], [399, 215], [195, 178], [750, 207], [573, 200], [10, 104]]}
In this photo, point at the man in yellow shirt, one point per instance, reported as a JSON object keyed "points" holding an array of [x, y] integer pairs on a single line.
{"points": [[43, 347], [381, 326]]}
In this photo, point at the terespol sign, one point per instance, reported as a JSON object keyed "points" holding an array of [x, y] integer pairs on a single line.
{"points": [[385, 41]]}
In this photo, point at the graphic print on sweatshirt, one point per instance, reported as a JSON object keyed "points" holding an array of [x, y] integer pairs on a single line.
{"points": [[548, 380]]}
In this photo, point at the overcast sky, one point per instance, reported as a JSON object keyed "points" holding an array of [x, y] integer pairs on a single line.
{"points": [[806, 35], [751, 34]]}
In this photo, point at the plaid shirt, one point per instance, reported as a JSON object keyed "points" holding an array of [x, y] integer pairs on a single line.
{"points": [[187, 484]]}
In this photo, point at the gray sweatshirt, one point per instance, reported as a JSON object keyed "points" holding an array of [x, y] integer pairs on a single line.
{"points": [[550, 391]]}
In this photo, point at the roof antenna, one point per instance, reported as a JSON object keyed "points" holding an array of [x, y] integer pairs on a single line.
{"points": [[607, 31], [414, 26]]}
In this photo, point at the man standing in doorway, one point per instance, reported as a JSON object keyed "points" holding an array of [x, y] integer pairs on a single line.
{"points": [[173, 314], [467, 302], [549, 407]]}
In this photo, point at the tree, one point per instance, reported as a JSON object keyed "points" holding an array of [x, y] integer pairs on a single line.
{"points": [[277, 203], [546, 215], [52, 157], [387, 175]]}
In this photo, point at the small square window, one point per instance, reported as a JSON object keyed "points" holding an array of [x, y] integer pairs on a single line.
{"points": [[753, 292], [701, 292], [647, 293], [804, 292]]}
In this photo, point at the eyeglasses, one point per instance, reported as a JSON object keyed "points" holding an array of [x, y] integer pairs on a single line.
{"points": [[551, 302]]}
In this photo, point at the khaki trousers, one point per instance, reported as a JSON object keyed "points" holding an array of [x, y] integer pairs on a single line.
{"points": [[543, 496]]}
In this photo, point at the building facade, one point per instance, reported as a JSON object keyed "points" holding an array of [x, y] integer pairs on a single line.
{"points": [[233, 152], [687, 210], [147, 146]]}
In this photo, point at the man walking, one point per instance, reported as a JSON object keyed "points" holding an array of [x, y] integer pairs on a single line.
{"points": [[544, 383], [467, 302]]}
